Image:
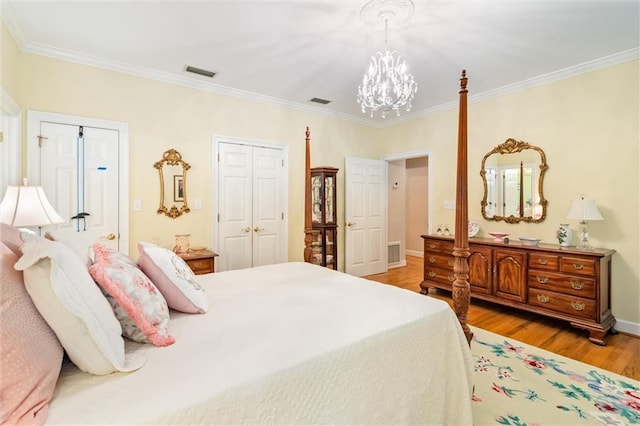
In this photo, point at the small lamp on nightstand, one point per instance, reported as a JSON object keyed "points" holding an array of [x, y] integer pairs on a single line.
{"points": [[27, 206], [584, 211]]}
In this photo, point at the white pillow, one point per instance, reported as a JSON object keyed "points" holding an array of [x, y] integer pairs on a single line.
{"points": [[173, 277], [72, 304]]}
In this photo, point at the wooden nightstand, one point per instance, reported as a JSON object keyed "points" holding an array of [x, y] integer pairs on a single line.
{"points": [[201, 261]]}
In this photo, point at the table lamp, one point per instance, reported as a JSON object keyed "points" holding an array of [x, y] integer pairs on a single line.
{"points": [[584, 211], [27, 206]]}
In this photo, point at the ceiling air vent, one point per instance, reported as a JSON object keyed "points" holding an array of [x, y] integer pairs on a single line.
{"points": [[199, 71], [320, 101]]}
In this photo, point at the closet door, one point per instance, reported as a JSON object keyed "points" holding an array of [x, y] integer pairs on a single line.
{"points": [[250, 206], [79, 174]]}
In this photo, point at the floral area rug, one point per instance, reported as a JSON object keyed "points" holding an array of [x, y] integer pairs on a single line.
{"points": [[519, 384]]}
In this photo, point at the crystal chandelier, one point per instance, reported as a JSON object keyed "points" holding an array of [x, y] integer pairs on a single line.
{"points": [[387, 85]]}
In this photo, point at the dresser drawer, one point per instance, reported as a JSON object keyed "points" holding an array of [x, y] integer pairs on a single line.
{"points": [[564, 303], [201, 266], [439, 261], [568, 284], [433, 246], [545, 261], [578, 265], [439, 275]]}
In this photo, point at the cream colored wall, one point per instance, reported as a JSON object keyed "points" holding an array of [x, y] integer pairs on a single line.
{"points": [[163, 116], [588, 126]]}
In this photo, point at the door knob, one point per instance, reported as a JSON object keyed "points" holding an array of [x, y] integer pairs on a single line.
{"points": [[247, 229], [351, 223], [110, 236], [258, 229]]}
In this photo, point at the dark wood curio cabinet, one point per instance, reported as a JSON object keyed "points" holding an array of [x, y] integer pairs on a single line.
{"points": [[324, 216]]}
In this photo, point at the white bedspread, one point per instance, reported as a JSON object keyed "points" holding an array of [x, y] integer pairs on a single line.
{"points": [[289, 344]]}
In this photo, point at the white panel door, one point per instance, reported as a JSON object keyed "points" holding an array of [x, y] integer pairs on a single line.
{"points": [[250, 206], [235, 211], [268, 214], [365, 215], [79, 173]]}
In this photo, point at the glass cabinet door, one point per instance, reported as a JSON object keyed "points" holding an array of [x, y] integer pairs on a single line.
{"points": [[324, 217], [329, 189]]}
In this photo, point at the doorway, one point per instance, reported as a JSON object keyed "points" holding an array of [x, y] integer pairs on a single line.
{"points": [[409, 205]]}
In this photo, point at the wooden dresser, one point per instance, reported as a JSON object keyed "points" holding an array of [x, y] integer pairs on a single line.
{"points": [[569, 284]]}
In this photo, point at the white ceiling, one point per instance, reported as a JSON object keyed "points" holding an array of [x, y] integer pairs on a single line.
{"points": [[288, 52]]}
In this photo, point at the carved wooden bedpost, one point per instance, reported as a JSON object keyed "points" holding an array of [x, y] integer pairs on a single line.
{"points": [[308, 226], [460, 289]]}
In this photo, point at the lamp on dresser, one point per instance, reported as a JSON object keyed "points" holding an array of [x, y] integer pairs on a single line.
{"points": [[584, 211], [27, 206]]}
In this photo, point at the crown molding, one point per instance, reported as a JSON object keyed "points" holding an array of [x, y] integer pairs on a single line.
{"points": [[56, 53]]}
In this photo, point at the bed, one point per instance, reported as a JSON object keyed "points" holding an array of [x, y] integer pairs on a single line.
{"points": [[292, 343]]}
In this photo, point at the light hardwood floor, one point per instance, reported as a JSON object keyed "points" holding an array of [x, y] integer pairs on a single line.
{"points": [[621, 354]]}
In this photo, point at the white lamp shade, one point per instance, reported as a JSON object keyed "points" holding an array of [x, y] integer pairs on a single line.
{"points": [[584, 210], [24, 206]]}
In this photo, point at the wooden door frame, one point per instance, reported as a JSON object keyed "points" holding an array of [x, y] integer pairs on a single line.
{"points": [[215, 169], [34, 118]]}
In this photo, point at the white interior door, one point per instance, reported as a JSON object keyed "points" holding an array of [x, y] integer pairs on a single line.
{"points": [[365, 216], [251, 200], [80, 169]]}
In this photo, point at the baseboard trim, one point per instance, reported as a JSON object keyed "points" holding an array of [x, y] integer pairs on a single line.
{"points": [[397, 264], [414, 253], [628, 327]]}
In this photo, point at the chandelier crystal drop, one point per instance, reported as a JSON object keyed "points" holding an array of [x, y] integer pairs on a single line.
{"points": [[387, 85]]}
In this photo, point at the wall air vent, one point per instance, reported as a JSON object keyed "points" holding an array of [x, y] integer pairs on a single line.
{"points": [[199, 71], [320, 101]]}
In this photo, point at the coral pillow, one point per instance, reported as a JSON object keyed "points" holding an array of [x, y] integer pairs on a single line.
{"points": [[30, 353], [173, 277], [142, 311], [73, 306]]}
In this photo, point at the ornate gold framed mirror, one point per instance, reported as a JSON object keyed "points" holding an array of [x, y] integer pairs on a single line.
{"points": [[512, 176], [174, 170]]}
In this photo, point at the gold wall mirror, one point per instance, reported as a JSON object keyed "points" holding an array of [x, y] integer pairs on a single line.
{"points": [[512, 175], [173, 184]]}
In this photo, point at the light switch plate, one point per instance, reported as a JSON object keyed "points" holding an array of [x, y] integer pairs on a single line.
{"points": [[449, 205], [137, 205], [197, 204]]}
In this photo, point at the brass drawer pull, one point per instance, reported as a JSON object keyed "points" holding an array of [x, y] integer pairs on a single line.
{"points": [[432, 259], [450, 263], [576, 285], [432, 274], [542, 298], [542, 279], [432, 246], [543, 261], [451, 278], [578, 266], [578, 306]]}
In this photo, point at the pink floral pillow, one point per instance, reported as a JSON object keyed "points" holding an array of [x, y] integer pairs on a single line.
{"points": [[173, 277], [30, 353], [136, 302]]}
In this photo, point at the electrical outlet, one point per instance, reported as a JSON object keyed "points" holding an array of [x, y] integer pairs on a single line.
{"points": [[449, 205]]}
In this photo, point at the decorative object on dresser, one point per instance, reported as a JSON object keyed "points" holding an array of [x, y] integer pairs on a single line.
{"points": [[584, 210], [172, 166], [182, 243], [324, 216], [563, 235], [200, 261], [567, 284]]}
